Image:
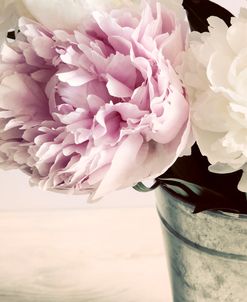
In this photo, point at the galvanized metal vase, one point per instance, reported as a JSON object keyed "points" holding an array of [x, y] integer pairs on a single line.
{"points": [[207, 252]]}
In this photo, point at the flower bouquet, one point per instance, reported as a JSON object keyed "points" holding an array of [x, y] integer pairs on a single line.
{"points": [[96, 96]]}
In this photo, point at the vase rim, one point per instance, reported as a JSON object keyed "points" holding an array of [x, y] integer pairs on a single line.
{"points": [[213, 213]]}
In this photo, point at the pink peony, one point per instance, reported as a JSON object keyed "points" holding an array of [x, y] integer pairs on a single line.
{"points": [[96, 109]]}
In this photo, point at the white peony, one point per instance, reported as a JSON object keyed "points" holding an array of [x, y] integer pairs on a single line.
{"points": [[68, 14], [8, 18], [63, 14], [10, 11], [215, 74]]}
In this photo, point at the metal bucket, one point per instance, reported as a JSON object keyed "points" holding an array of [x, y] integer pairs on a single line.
{"points": [[207, 252]]}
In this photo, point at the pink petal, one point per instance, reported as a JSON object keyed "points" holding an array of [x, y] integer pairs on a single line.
{"points": [[175, 114], [120, 173], [117, 89], [43, 46], [76, 77], [116, 66]]}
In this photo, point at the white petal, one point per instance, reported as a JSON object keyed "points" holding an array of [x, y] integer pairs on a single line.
{"points": [[67, 14], [57, 14], [242, 185]]}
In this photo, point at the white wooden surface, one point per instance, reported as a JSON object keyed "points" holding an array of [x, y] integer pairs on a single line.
{"points": [[57, 248], [16, 194], [106, 255]]}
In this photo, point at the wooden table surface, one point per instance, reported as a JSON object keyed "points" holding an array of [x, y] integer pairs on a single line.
{"points": [[105, 255]]}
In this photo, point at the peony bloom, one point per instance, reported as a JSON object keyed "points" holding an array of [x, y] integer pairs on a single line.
{"points": [[10, 12], [98, 108], [68, 14], [8, 18], [216, 75]]}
